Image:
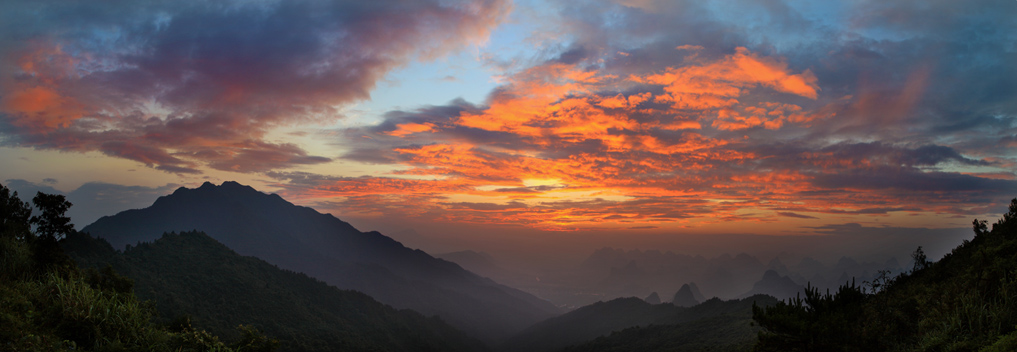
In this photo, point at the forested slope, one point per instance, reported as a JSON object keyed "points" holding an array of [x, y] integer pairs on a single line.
{"points": [[634, 325], [47, 303], [191, 274], [967, 301], [324, 247]]}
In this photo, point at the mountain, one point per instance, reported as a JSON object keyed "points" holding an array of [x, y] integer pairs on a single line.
{"points": [[730, 331], [695, 292], [581, 326], [778, 266], [625, 273], [477, 262], [809, 267], [301, 239], [191, 274], [720, 334], [773, 284], [586, 323], [653, 298], [684, 297]]}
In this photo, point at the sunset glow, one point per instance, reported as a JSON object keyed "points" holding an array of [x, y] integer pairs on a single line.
{"points": [[611, 116]]}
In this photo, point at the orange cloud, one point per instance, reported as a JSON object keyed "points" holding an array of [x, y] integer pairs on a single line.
{"points": [[720, 83], [34, 102], [405, 129], [42, 109], [649, 149], [626, 148]]}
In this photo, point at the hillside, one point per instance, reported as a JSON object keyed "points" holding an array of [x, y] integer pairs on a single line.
{"points": [[47, 303], [665, 321], [967, 301], [723, 333], [190, 274], [324, 247], [776, 285]]}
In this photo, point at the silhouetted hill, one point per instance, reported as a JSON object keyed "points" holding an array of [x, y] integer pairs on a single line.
{"points": [[684, 297], [191, 274], [322, 246], [621, 273], [600, 319], [695, 292], [773, 284], [967, 301], [778, 266], [729, 331], [477, 262], [653, 298]]}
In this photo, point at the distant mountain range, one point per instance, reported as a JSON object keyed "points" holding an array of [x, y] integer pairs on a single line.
{"points": [[301, 239], [687, 296], [613, 273], [773, 284], [192, 275]]}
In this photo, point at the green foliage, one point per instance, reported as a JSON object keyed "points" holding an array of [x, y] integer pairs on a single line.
{"points": [[819, 322], [48, 304], [967, 301], [252, 340], [1005, 343]]}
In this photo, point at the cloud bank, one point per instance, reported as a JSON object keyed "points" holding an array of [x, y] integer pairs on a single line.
{"points": [[690, 113], [185, 85]]}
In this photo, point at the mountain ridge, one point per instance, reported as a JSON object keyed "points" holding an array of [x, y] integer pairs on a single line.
{"points": [[192, 275], [591, 323], [322, 246]]}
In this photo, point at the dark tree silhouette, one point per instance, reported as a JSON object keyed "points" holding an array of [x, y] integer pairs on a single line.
{"points": [[963, 302], [14, 215], [52, 223], [921, 261]]}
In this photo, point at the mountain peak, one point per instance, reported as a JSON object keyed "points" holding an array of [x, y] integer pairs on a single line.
{"points": [[775, 285], [684, 297], [653, 298], [304, 240], [230, 194], [233, 187]]}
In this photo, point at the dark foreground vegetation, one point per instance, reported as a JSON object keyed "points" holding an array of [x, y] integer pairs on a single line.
{"points": [[47, 303], [966, 301]]}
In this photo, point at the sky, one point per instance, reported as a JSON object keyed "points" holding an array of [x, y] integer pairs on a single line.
{"points": [[525, 121]]}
